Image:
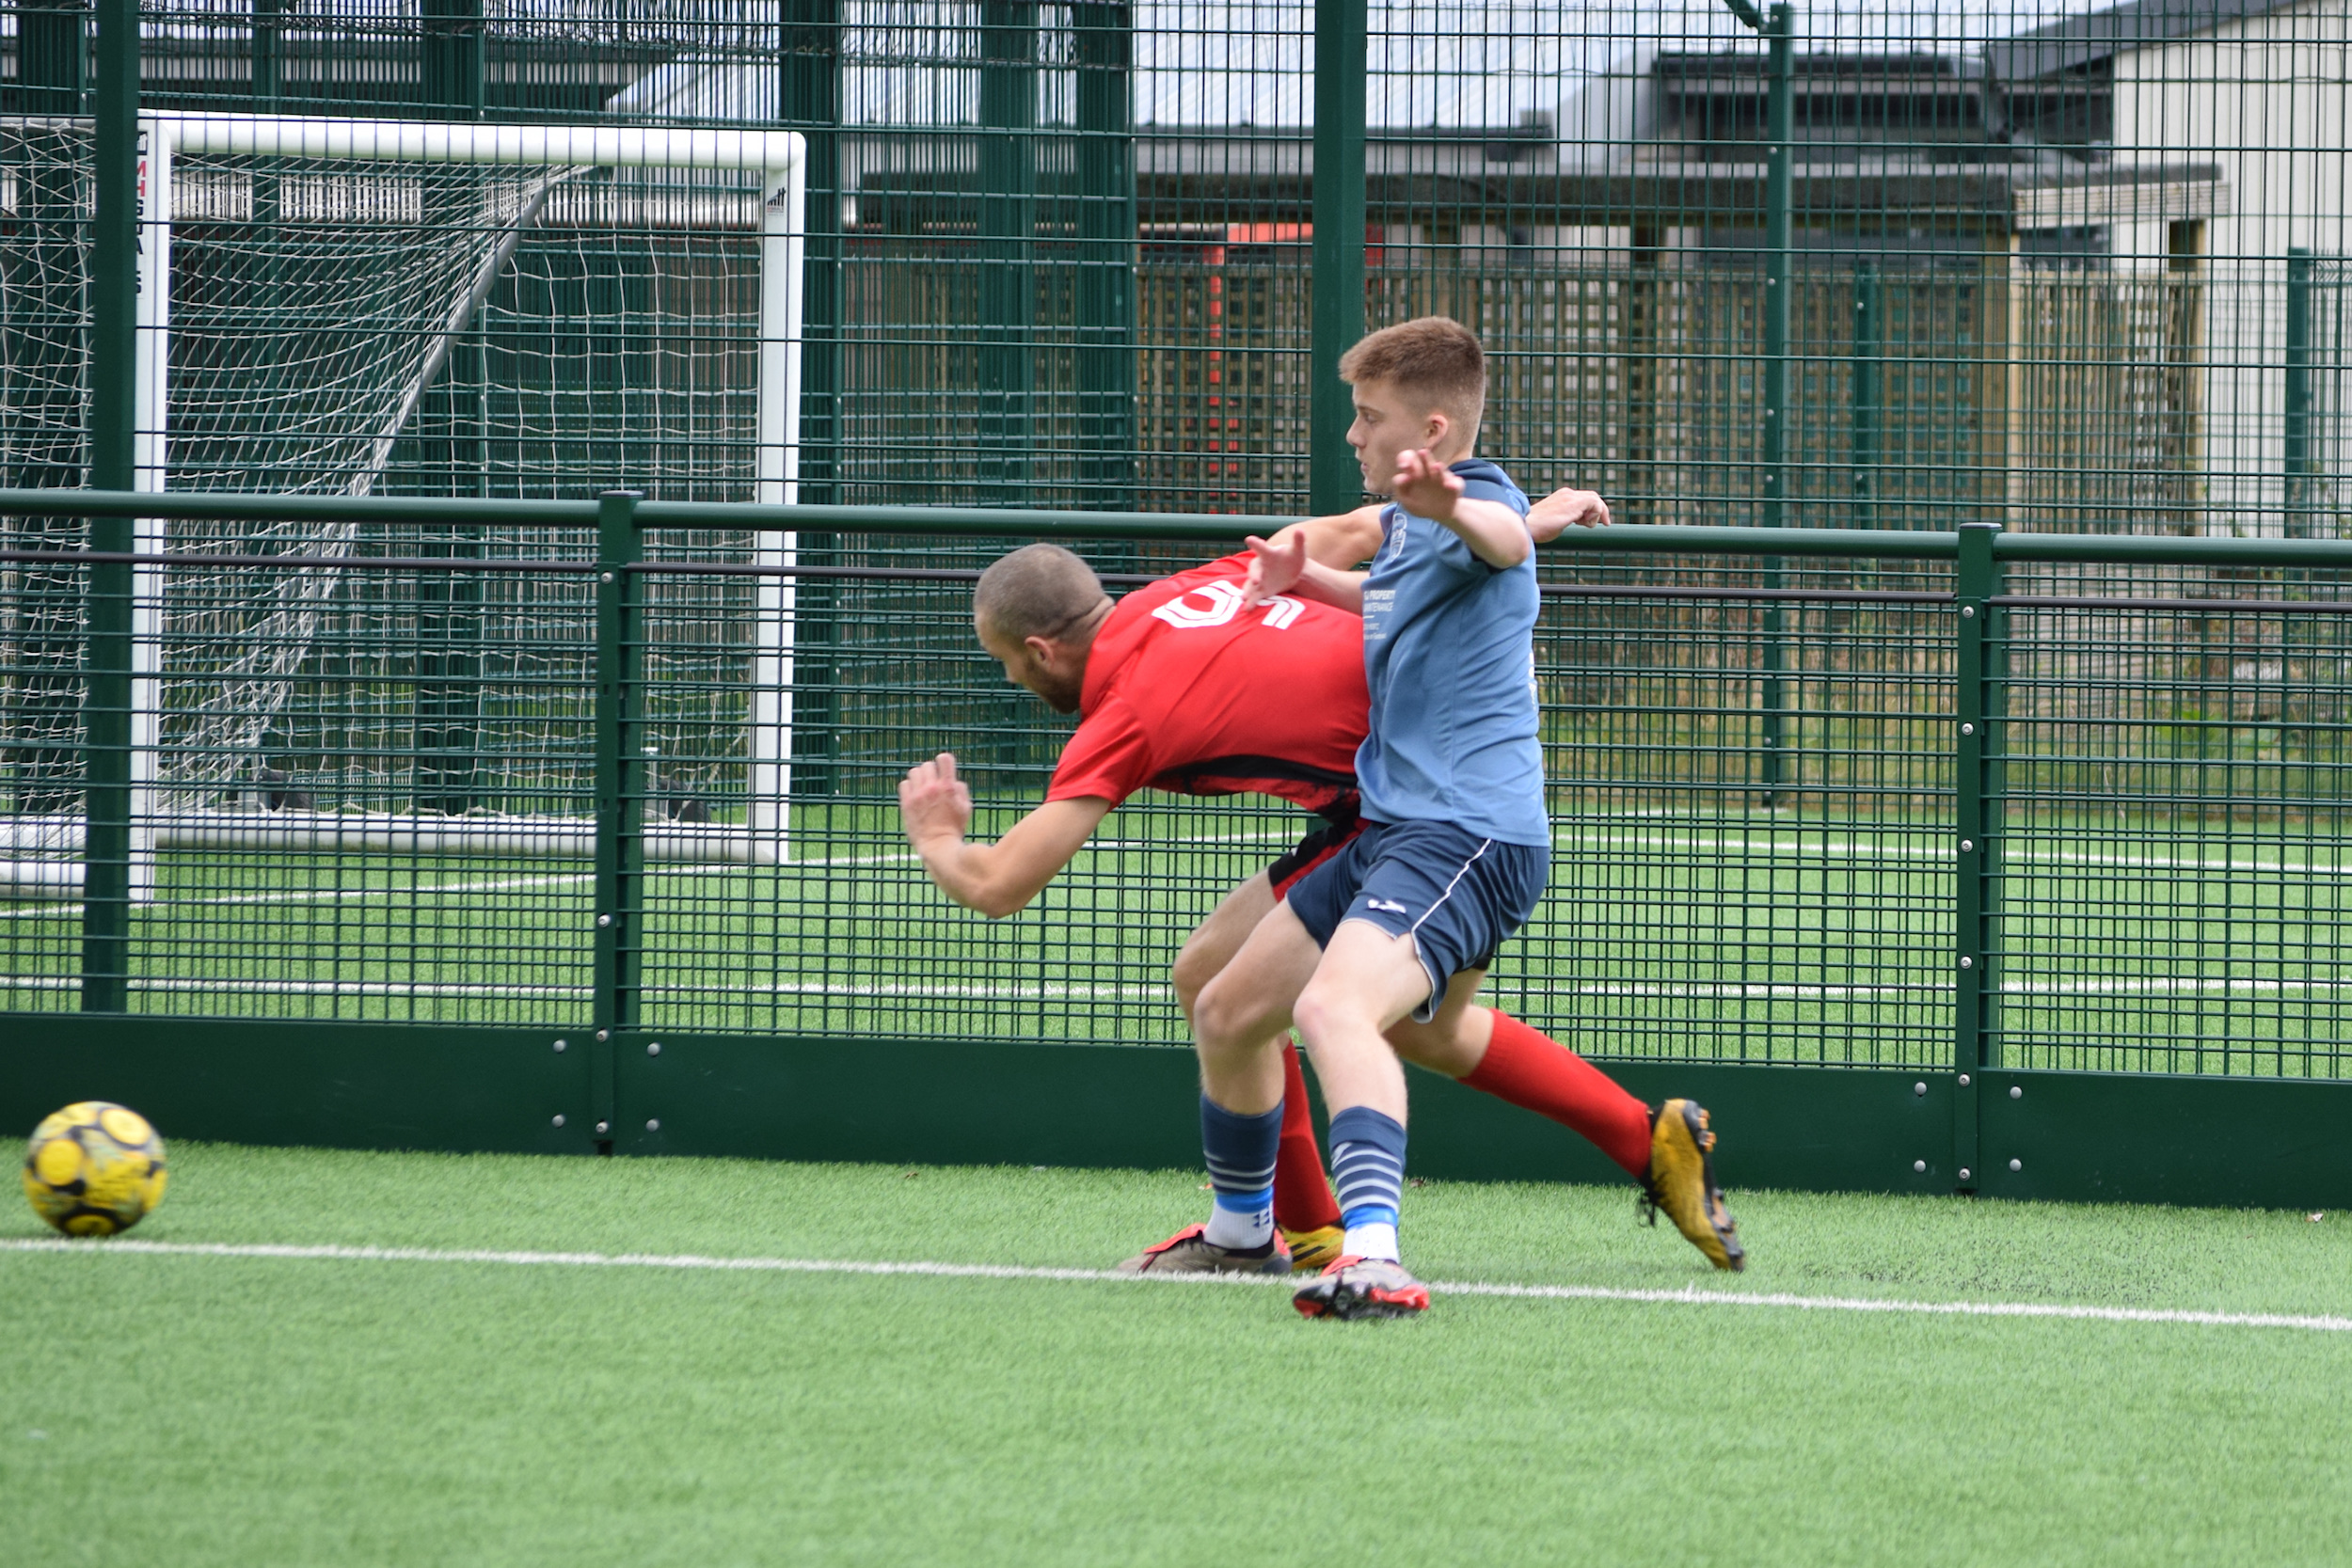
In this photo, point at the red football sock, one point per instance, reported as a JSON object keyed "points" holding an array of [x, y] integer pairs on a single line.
{"points": [[1302, 1194], [1538, 1073]]}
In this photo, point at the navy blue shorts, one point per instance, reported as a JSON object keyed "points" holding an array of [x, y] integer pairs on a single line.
{"points": [[1458, 895]]}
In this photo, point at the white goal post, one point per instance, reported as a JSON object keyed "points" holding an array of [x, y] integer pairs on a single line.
{"points": [[184, 796]]}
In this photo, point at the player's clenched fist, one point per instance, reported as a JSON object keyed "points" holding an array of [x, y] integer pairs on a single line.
{"points": [[934, 803]]}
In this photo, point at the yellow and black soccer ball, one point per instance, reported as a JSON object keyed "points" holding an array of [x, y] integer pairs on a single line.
{"points": [[94, 1170]]}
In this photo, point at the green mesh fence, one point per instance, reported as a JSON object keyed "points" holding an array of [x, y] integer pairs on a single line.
{"points": [[2071, 270], [2041, 258], [2173, 870], [1754, 781]]}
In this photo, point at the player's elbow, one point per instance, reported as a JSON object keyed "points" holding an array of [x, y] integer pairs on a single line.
{"points": [[980, 897], [1509, 550], [996, 903]]}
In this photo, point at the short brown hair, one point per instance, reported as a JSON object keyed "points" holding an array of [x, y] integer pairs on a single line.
{"points": [[1036, 591], [1431, 356]]}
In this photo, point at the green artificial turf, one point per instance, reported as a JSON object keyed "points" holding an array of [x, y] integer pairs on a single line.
{"points": [[203, 1409]]}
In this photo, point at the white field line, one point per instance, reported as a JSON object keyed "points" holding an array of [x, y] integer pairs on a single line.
{"points": [[328, 895], [1601, 837], [426, 889], [1689, 1295], [315, 988], [1697, 990], [1604, 837], [500, 884], [879, 857], [1274, 837], [1865, 850], [494, 989], [1770, 990]]}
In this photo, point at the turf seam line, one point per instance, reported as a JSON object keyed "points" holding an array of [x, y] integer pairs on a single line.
{"points": [[1689, 1295]]}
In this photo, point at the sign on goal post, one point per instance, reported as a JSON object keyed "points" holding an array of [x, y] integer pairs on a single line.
{"points": [[310, 290]]}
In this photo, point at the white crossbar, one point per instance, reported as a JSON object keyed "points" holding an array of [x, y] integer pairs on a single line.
{"points": [[450, 142]]}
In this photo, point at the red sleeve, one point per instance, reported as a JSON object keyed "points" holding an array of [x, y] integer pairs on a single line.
{"points": [[1109, 757]]}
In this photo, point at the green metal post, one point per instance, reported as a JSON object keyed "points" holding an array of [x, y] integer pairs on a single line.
{"points": [[267, 85], [1334, 484], [1868, 394], [1779, 132], [449, 665], [811, 100], [450, 628], [450, 71], [1107, 252], [2297, 432], [52, 56], [449, 657], [1976, 778], [1779, 28], [114, 413], [268, 69], [812, 106], [620, 790], [1008, 246]]}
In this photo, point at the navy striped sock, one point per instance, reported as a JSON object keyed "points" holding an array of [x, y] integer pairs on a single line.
{"points": [[1368, 1168], [1240, 1151]]}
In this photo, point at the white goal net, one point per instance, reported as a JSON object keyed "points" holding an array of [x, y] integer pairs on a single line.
{"points": [[353, 307]]}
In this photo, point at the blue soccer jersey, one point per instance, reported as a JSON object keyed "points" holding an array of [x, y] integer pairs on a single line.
{"points": [[1449, 656]]}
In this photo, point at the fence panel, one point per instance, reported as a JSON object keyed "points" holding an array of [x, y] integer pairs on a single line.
{"points": [[2173, 816]]}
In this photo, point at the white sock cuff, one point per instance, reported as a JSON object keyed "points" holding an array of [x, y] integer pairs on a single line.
{"points": [[1243, 1229]]}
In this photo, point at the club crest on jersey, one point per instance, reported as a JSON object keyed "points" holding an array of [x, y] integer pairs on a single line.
{"points": [[1224, 603]]}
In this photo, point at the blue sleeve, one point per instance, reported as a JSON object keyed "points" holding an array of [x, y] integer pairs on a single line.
{"points": [[1448, 550], [1482, 481], [1488, 490]]}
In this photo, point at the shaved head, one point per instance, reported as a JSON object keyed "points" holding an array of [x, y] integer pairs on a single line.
{"points": [[1036, 612], [1036, 591]]}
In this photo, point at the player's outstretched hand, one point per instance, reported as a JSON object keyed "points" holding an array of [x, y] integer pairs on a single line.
{"points": [[934, 803], [1563, 510], [1426, 487], [1274, 567]]}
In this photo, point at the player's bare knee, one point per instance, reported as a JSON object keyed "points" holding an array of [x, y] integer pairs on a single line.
{"points": [[1325, 1008], [1221, 1016], [1190, 973]]}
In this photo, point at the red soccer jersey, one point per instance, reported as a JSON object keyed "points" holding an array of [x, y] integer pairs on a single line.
{"points": [[1187, 692]]}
